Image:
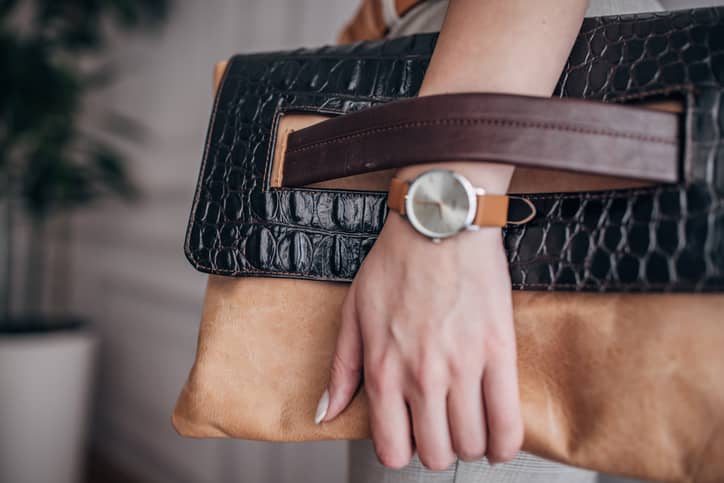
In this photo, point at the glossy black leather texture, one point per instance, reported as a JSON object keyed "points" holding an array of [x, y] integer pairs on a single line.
{"points": [[664, 238]]}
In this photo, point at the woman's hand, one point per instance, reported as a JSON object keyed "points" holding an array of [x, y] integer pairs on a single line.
{"points": [[435, 321], [431, 325]]}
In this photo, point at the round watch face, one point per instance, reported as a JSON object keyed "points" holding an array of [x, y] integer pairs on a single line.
{"points": [[440, 203]]}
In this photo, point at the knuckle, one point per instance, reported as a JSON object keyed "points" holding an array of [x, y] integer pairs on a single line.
{"points": [[379, 381], [471, 455], [500, 343], [501, 455], [378, 363], [437, 462], [393, 459], [458, 367], [470, 451], [465, 367], [505, 444], [510, 426], [427, 379], [375, 383], [343, 366]]}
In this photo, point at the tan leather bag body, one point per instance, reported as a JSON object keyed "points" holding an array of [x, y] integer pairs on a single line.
{"points": [[626, 384], [623, 382]]}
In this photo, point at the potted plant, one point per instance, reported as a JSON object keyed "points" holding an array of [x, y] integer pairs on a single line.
{"points": [[50, 167]]}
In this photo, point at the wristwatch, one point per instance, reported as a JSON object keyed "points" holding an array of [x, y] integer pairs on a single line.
{"points": [[440, 203]]}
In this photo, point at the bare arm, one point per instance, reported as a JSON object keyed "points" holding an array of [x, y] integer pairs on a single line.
{"points": [[431, 325], [508, 46]]}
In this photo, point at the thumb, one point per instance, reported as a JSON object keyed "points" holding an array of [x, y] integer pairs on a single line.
{"points": [[346, 365]]}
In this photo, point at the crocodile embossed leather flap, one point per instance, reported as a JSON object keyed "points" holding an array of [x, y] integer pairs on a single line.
{"points": [[664, 237]]}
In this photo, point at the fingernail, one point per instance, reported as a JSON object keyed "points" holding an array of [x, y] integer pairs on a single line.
{"points": [[322, 407]]}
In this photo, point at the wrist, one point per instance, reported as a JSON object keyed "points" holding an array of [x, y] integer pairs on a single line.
{"points": [[399, 229]]}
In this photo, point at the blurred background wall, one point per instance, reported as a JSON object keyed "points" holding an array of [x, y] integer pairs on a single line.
{"points": [[130, 277]]}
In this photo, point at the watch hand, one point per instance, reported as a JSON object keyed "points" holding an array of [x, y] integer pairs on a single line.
{"points": [[439, 205]]}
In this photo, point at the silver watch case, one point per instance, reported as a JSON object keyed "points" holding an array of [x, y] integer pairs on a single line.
{"points": [[470, 191]]}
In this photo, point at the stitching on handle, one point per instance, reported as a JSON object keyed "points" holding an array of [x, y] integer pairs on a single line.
{"points": [[493, 122]]}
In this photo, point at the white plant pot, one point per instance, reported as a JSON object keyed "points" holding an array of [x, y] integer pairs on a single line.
{"points": [[45, 394]]}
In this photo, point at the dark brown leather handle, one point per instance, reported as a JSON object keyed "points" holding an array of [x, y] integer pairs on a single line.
{"points": [[556, 133]]}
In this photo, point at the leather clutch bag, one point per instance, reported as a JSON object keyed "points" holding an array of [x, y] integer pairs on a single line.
{"points": [[617, 278]]}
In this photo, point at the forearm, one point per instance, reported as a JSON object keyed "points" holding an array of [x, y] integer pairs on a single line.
{"points": [[431, 325], [507, 46]]}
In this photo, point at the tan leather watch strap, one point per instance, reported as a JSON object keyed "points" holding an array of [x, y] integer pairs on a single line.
{"points": [[396, 195], [492, 209]]}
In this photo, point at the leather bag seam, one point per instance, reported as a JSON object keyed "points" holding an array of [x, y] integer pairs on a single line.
{"points": [[188, 251], [579, 287]]}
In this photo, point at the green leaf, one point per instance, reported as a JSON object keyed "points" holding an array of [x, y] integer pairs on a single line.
{"points": [[44, 85]]}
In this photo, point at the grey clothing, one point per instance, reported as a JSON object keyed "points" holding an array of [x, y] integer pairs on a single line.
{"points": [[525, 468], [428, 16]]}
